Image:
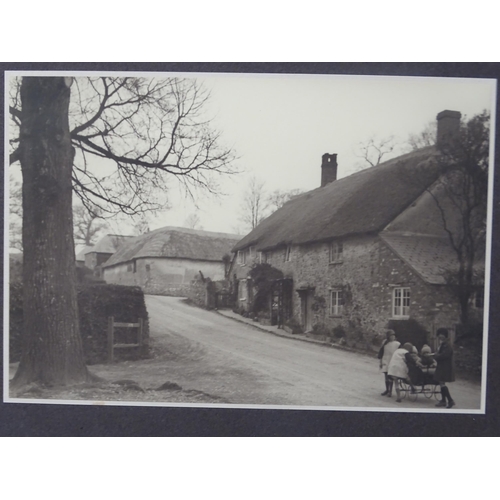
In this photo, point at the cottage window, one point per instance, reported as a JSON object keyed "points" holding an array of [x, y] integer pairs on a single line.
{"points": [[288, 253], [336, 303], [251, 253], [242, 257], [335, 252], [261, 257], [401, 302]]}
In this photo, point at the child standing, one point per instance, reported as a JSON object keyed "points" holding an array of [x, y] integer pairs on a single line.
{"points": [[384, 355]]}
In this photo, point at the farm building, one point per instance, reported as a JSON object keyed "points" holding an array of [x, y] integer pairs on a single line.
{"points": [[166, 260]]}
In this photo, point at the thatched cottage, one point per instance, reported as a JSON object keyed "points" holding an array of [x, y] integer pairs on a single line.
{"points": [[360, 253], [166, 260]]}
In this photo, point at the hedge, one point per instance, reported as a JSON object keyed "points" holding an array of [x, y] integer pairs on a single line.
{"points": [[95, 303]]}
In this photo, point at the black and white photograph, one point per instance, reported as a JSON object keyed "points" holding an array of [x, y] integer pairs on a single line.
{"points": [[248, 240]]}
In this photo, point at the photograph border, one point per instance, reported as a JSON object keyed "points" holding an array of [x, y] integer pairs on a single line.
{"points": [[95, 419]]}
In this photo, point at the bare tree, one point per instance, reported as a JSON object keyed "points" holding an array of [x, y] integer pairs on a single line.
{"points": [[278, 197], [254, 205], [87, 224], [52, 350], [374, 150], [193, 221], [141, 132], [141, 224], [426, 138], [149, 130]]}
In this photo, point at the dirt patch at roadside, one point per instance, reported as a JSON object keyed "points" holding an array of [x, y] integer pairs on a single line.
{"points": [[151, 380]]}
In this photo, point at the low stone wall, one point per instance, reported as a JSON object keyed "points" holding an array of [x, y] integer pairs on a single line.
{"points": [[181, 290]]}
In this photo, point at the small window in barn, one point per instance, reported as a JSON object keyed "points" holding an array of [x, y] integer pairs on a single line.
{"points": [[129, 267], [134, 266], [336, 303], [401, 302], [288, 253], [335, 252], [148, 267]]}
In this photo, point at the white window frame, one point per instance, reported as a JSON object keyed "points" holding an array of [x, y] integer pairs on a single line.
{"points": [[401, 302], [336, 302], [335, 252]]}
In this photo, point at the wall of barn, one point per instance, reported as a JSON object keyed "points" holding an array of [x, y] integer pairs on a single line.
{"points": [[163, 276], [367, 275]]}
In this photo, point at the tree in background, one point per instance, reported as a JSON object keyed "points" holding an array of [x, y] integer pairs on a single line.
{"points": [[141, 132], [193, 221], [374, 150], [87, 224], [255, 204], [279, 197]]}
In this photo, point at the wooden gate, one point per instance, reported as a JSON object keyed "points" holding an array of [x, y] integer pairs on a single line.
{"points": [[111, 336]]}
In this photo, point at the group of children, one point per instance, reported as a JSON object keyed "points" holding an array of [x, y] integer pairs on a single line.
{"points": [[406, 363]]}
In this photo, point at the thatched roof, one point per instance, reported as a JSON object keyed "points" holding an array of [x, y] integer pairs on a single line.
{"points": [[176, 242], [364, 202], [109, 243]]}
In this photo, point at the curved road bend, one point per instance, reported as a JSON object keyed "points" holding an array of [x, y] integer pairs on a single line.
{"points": [[245, 365]]}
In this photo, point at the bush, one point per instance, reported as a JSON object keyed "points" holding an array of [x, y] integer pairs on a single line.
{"points": [[95, 304], [98, 302], [320, 329], [411, 331], [338, 332], [294, 326]]}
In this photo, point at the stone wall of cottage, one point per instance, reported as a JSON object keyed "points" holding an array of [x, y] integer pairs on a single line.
{"points": [[161, 276], [367, 276]]}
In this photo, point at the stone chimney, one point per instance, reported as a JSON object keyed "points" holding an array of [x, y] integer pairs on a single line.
{"points": [[328, 169], [448, 126]]}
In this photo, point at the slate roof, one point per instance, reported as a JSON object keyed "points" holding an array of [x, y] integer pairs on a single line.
{"points": [[429, 256], [176, 242], [364, 202]]}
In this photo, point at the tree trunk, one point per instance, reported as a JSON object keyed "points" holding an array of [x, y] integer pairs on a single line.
{"points": [[52, 350]]}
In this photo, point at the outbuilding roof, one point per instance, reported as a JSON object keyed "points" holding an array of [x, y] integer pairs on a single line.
{"points": [[109, 243], [176, 242], [364, 202]]}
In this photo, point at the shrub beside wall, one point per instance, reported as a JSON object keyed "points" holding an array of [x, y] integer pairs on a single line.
{"points": [[95, 303]]}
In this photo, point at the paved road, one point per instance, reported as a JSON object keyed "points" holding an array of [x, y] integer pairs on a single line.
{"points": [[244, 365]]}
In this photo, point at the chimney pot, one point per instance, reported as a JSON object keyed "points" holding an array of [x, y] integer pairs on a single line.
{"points": [[328, 169], [448, 126]]}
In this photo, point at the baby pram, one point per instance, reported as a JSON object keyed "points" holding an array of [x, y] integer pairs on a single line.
{"points": [[420, 381]]}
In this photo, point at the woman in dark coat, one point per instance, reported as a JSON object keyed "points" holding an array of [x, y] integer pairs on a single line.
{"points": [[445, 370]]}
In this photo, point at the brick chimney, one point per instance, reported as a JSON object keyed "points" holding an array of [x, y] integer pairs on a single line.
{"points": [[448, 126], [328, 169]]}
